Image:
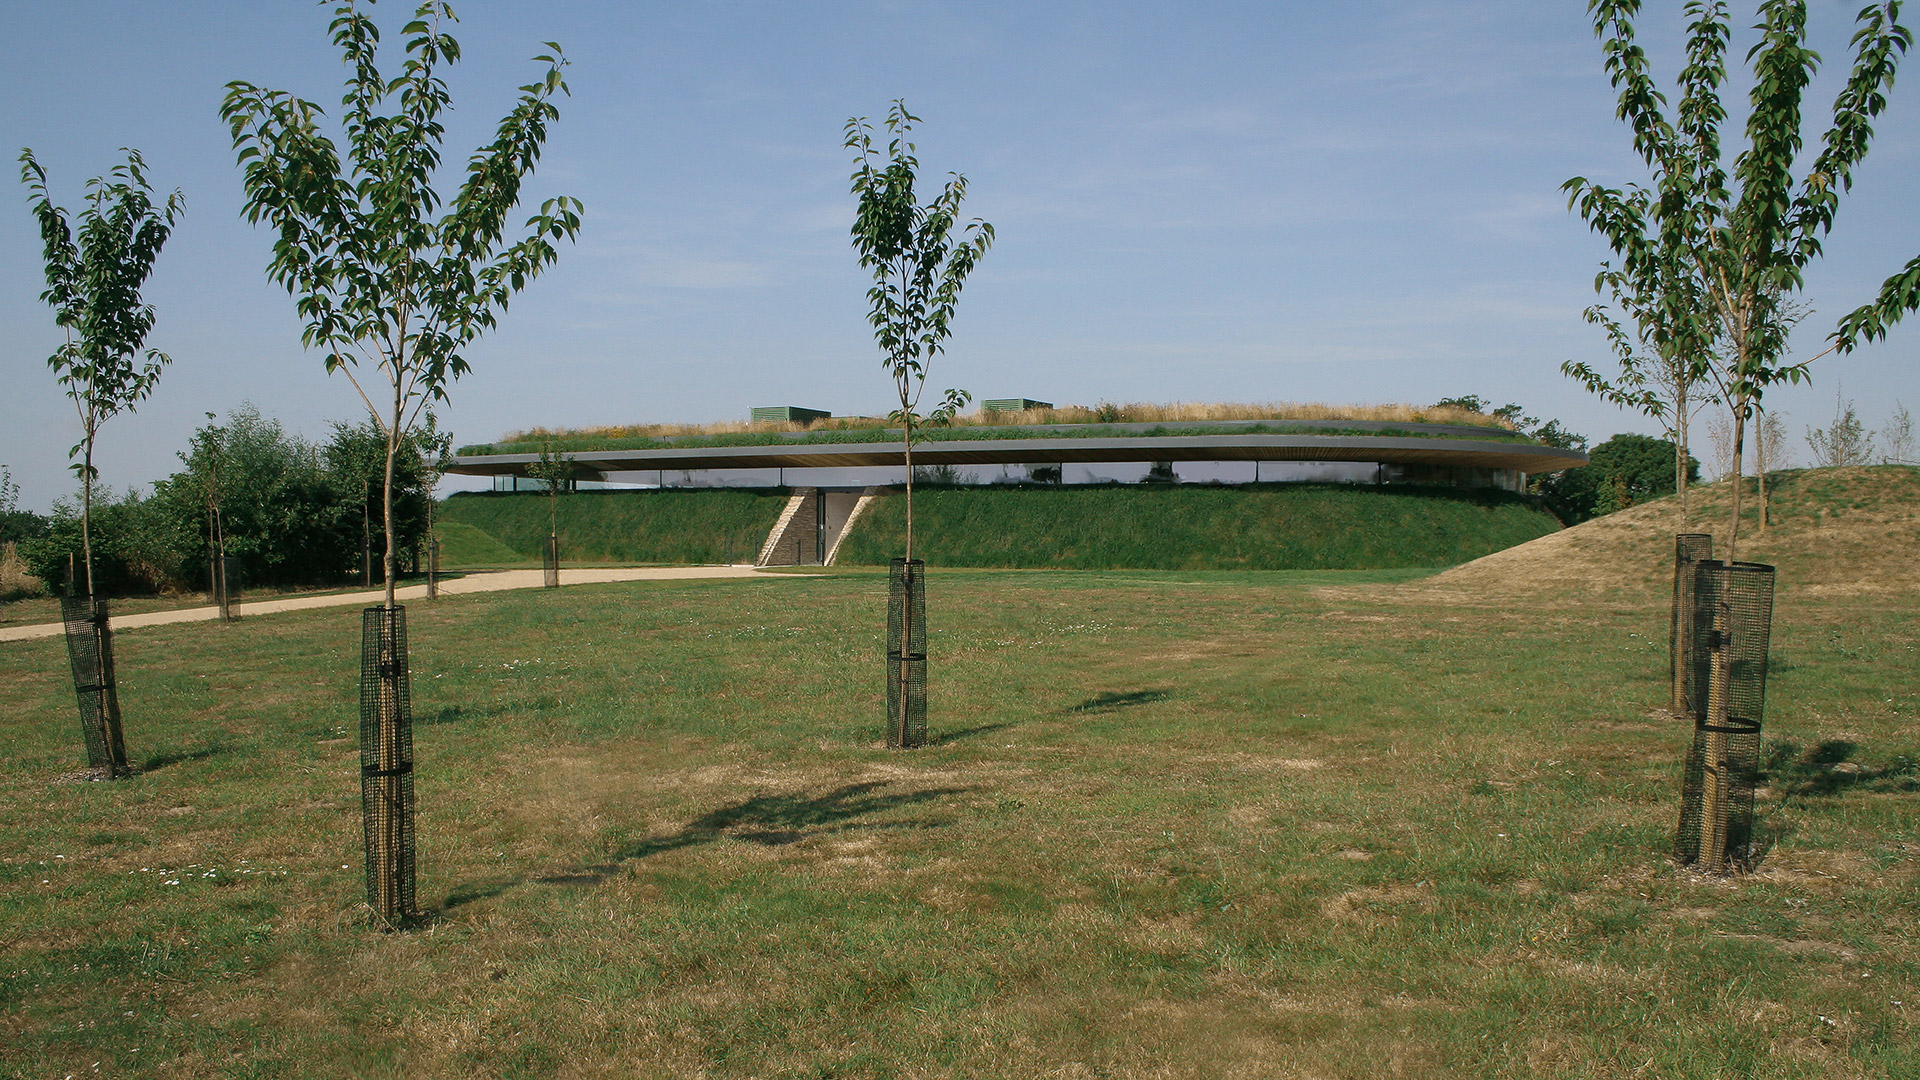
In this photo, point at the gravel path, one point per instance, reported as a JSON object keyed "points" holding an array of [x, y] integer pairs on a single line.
{"points": [[471, 583]]}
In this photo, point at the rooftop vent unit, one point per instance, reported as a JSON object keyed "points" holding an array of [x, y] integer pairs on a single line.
{"points": [[790, 413], [1014, 404]]}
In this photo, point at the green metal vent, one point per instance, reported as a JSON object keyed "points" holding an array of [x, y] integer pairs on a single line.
{"points": [[792, 413]]}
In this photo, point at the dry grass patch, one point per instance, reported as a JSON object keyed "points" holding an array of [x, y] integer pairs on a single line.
{"points": [[1834, 533]]}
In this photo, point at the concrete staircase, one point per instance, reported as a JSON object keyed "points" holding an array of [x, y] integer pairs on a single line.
{"points": [[791, 541], [795, 537]]}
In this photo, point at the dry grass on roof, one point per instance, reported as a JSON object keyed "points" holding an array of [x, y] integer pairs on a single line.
{"points": [[1136, 412]]}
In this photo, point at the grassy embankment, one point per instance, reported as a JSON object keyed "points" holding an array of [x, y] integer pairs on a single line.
{"points": [[1172, 824], [1197, 527], [483, 529], [1187, 526]]}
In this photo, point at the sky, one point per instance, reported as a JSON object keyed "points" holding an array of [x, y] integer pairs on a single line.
{"points": [[1208, 201]]}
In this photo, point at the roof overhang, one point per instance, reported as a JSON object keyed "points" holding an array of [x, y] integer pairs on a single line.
{"points": [[1464, 453]]}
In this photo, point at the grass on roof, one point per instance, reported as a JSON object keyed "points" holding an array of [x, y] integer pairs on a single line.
{"points": [[863, 428]]}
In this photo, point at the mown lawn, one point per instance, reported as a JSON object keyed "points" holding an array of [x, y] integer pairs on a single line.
{"points": [[1172, 825]]}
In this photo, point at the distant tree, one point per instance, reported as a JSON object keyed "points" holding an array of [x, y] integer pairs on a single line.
{"points": [[364, 491], [279, 513], [1844, 441], [1669, 352], [1776, 453], [436, 457], [918, 268], [136, 548], [377, 275], [1546, 432], [16, 524], [93, 284], [1896, 439], [554, 469], [1738, 242], [1769, 454], [1623, 471]]}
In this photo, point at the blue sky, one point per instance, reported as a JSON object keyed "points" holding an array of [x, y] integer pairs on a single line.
{"points": [[1207, 201]]}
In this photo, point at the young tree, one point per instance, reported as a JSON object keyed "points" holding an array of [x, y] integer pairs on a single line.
{"points": [[1769, 455], [1844, 441], [555, 469], [379, 273], [1670, 351], [1743, 237], [206, 452], [1896, 439], [918, 266], [435, 448], [93, 284]]}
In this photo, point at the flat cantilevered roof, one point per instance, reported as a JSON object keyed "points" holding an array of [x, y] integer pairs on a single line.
{"points": [[1396, 449]]}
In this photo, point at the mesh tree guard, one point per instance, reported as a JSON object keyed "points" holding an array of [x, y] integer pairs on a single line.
{"points": [[90, 652], [433, 570], [550, 563], [1688, 549], [906, 654], [386, 763], [1732, 624]]}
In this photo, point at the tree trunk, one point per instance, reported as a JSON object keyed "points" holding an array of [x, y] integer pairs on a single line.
{"points": [[1680, 453], [1739, 456], [386, 521], [86, 511], [909, 457]]}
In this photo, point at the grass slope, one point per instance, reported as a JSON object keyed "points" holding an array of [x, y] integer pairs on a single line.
{"points": [[462, 544], [1840, 532], [671, 526], [1193, 527]]}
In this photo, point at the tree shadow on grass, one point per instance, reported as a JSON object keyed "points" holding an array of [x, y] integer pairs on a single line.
{"points": [[454, 714], [1832, 767], [767, 820], [174, 757], [964, 733], [1108, 701]]}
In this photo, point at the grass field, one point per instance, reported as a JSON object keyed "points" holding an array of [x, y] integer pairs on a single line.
{"points": [[1197, 526], [1172, 824]]}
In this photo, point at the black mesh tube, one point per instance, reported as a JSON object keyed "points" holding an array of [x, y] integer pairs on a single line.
{"points": [[1689, 549], [433, 570], [386, 763], [90, 652], [550, 563], [906, 653], [1732, 626]]}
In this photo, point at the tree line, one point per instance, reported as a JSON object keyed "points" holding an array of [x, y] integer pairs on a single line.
{"points": [[291, 511]]}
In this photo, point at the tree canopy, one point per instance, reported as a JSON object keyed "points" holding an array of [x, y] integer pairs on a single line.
{"points": [[1709, 256], [385, 270]]}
